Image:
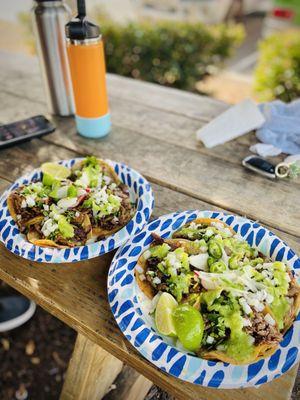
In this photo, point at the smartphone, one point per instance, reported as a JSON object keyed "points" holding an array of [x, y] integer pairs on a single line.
{"points": [[27, 129]]}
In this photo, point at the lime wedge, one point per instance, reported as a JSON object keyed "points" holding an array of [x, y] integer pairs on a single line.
{"points": [[163, 314], [189, 326], [55, 171]]}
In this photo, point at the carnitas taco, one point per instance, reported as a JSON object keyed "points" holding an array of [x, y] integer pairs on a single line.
{"points": [[71, 207], [246, 301]]}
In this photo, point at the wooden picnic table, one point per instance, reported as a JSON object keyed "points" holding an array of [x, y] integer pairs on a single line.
{"points": [[154, 132]]}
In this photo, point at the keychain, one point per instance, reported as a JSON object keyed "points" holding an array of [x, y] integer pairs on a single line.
{"points": [[263, 167]]}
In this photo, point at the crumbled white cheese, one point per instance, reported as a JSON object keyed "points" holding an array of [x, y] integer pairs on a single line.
{"points": [[142, 277], [23, 204], [46, 207]]}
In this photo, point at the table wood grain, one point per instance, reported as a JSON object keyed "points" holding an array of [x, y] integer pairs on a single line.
{"points": [[154, 132]]}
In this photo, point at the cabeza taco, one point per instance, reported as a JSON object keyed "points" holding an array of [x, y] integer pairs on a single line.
{"points": [[246, 300]]}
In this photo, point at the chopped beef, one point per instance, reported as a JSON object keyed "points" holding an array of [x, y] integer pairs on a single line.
{"points": [[26, 214], [262, 331], [110, 222], [157, 239], [294, 288], [293, 291], [152, 263], [80, 233], [173, 246], [124, 188]]}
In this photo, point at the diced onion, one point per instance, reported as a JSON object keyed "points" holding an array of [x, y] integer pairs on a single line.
{"points": [[156, 280], [245, 306], [139, 269], [269, 319], [210, 340], [147, 254]]}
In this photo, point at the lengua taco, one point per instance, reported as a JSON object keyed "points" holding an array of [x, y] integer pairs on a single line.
{"points": [[246, 301], [71, 207]]}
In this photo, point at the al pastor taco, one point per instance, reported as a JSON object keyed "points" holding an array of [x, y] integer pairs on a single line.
{"points": [[246, 301]]}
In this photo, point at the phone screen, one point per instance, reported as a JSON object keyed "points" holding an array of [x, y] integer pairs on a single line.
{"points": [[30, 126]]}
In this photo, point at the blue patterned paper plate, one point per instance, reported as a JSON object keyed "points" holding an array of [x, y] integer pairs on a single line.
{"points": [[131, 309], [140, 192]]}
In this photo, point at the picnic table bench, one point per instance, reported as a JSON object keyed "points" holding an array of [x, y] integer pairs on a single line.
{"points": [[153, 132]]}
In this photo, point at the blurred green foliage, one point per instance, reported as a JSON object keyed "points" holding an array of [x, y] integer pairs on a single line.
{"points": [[175, 54], [277, 74]]}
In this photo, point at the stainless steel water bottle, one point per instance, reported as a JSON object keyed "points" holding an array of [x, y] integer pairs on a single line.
{"points": [[49, 20]]}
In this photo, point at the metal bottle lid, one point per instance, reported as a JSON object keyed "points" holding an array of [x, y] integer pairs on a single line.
{"points": [[81, 29]]}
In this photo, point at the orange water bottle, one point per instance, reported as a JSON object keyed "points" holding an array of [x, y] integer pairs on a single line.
{"points": [[87, 66]]}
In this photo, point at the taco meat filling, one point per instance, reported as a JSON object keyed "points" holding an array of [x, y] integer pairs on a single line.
{"points": [[246, 300], [262, 331]]}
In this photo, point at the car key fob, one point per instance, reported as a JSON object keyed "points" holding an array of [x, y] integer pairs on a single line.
{"points": [[260, 165]]}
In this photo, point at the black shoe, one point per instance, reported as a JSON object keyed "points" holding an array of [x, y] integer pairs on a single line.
{"points": [[15, 311]]}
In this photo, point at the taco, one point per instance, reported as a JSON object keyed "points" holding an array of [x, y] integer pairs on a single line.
{"points": [[109, 207], [247, 301], [88, 204]]}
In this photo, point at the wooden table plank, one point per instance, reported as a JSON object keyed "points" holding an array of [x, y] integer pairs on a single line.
{"points": [[177, 101], [150, 122], [213, 181]]}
